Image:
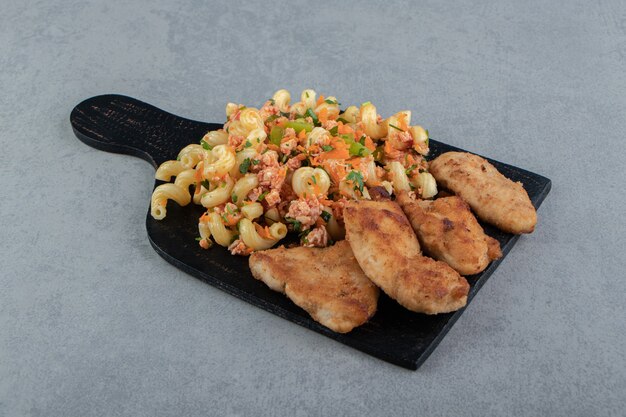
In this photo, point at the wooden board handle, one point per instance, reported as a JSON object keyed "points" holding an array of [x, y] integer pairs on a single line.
{"points": [[121, 124]]}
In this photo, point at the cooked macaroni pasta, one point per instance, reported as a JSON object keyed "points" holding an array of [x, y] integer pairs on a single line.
{"points": [[291, 167]]}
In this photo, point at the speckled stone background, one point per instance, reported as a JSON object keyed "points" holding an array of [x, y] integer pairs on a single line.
{"points": [[94, 323]]}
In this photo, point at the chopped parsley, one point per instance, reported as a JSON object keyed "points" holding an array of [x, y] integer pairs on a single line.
{"points": [[248, 144], [206, 145], [329, 101], [272, 118], [234, 198], [327, 148], [366, 103], [262, 196], [395, 127], [206, 184], [326, 216], [334, 131], [411, 168], [312, 115], [357, 179], [297, 226], [256, 161], [245, 165], [342, 120]]}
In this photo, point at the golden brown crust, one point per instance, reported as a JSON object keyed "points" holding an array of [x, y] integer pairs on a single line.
{"points": [[328, 283], [387, 250], [493, 197], [448, 231]]}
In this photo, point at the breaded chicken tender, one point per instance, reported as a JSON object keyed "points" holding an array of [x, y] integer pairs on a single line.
{"points": [[493, 197], [328, 283], [387, 250], [448, 231]]}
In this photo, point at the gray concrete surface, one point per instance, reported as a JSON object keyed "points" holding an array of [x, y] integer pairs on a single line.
{"points": [[94, 323]]}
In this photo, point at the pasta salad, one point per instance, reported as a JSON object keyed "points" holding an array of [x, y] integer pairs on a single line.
{"points": [[291, 168]]}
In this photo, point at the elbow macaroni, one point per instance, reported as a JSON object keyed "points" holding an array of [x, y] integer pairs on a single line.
{"points": [[316, 152], [307, 181], [252, 239]]}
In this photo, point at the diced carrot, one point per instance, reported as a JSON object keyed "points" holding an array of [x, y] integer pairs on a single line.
{"points": [[355, 162], [335, 154], [323, 115], [320, 100], [369, 144], [344, 129], [402, 124], [302, 134], [264, 232], [326, 202]]}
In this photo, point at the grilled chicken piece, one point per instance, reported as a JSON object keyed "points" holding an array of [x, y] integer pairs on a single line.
{"points": [[493, 197], [387, 250], [328, 283], [448, 231]]}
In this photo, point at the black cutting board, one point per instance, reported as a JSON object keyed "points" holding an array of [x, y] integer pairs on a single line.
{"points": [[121, 124]]}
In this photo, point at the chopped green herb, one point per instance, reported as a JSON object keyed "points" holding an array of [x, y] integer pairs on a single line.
{"points": [[262, 196], [284, 158], [411, 168], [366, 103], [395, 127], [297, 226], [307, 94], [206, 145], [362, 140], [228, 208], [427, 134], [272, 101], [326, 216], [272, 118], [357, 179], [256, 161], [198, 239], [334, 131], [342, 120], [379, 153], [233, 197], [223, 184], [206, 184], [312, 115], [303, 236], [285, 114], [248, 144], [327, 148], [329, 101], [244, 166], [314, 179]]}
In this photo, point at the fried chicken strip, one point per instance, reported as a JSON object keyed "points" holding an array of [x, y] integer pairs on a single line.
{"points": [[493, 197], [328, 283], [387, 250], [448, 231]]}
